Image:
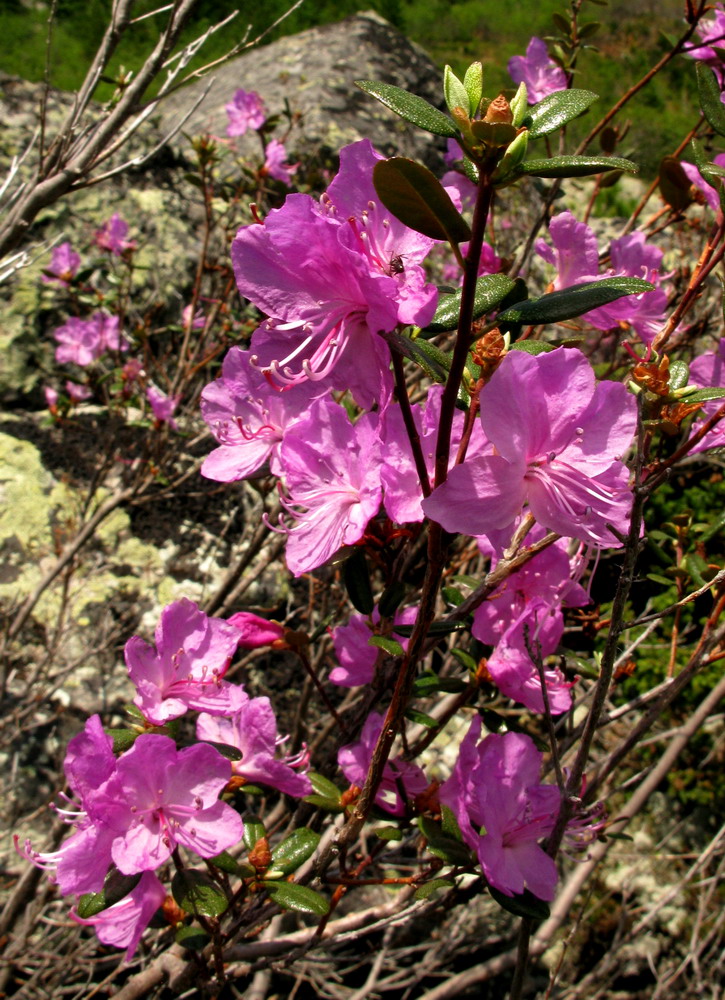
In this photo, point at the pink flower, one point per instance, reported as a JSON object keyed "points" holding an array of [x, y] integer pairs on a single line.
{"points": [[163, 406], [503, 811], [112, 236], [64, 264], [275, 163], [77, 392], [354, 760], [248, 418], [253, 730], [122, 924], [51, 397], [171, 798], [187, 667], [557, 437], [540, 73], [712, 34], [706, 371], [245, 111], [710, 192], [198, 320], [255, 631], [357, 658], [332, 477], [82, 341]]}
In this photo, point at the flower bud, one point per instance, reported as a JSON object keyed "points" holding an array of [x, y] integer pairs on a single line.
{"points": [[499, 110], [520, 105]]}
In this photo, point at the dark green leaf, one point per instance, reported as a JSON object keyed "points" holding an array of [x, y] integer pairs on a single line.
{"points": [[231, 753], [702, 395], [574, 301], [192, 938], [465, 659], [294, 850], [708, 89], [574, 166], [531, 346], [494, 133], [450, 824], [442, 846], [428, 888], [410, 107], [524, 905], [589, 29], [115, 888], [253, 831], [391, 647], [491, 289], [674, 184], [122, 738], [556, 110], [225, 862], [421, 718], [357, 582], [430, 683], [434, 362], [388, 833], [391, 599], [197, 893], [417, 198], [452, 595], [298, 898], [436, 628], [327, 795], [679, 375]]}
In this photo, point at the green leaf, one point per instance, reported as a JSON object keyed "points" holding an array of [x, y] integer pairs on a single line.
{"points": [[519, 105], [455, 92], [473, 82], [326, 794], [452, 596], [556, 110], [491, 289], [418, 199], [574, 301], [391, 599], [679, 375], [421, 718], [442, 846], [436, 628], [526, 904], [197, 893], [388, 833], [434, 362], [357, 582], [450, 824], [702, 395], [410, 107], [123, 739], [391, 647], [589, 29], [225, 862], [253, 831], [428, 888], [574, 166], [430, 683], [230, 752], [531, 347], [465, 659], [298, 898], [708, 90], [192, 938], [494, 133], [295, 850], [674, 184], [116, 887]]}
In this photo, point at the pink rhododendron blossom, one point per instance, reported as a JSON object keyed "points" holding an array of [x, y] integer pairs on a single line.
{"points": [[357, 658], [162, 406], [51, 397], [112, 236], [171, 798], [706, 371], [248, 418], [255, 631], [275, 163], [245, 111], [81, 862], [709, 191], [558, 437], [77, 392], [712, 34], [196, 321], [253, 730], [64, 264], [538, 71], [186, 668], [354, 760], [575, 256], [82, 341], [503, 811], [122, 924], [331, 278], [399, 475], [332, 479]]}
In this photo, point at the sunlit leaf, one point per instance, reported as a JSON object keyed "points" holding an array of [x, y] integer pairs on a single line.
{"points": [[410, 107]]}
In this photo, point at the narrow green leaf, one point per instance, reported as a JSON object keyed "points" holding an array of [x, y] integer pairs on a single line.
{"points": [[574, 166], [391, 599], [230, 752], [434, 362], [450, 824], [574, 301], [421, 718], [115, 888], [391, 647], [430, 683], [299, 898], [197, 893], [295, 850], [556, 110], [253, 831], [436, 628], [123, 739], [702, 395], [426, 890], [357, 582], [674, 184], [473, 82], [494, 133], [417, 198], [465, 659], [531, 347], [192, 938], [388, 833], [225, 862], [525, 904], [442, 846], [410, 107], [708, 90], [491, 289], [589, 29], [323, 786], [454, 91]]}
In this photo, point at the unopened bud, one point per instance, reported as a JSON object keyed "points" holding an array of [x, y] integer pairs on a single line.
{"points": [[520, 104], [499, 110], [260, 856]]}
